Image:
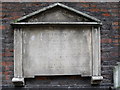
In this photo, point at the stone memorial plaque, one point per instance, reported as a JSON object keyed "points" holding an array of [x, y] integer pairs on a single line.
{"points": [[57, 50], [56, 40]]}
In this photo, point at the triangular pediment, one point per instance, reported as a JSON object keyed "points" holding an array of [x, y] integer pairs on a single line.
{"points": [[57, 13]]}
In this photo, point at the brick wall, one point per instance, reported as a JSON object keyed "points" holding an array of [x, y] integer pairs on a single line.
{"points": [[107, 12]]}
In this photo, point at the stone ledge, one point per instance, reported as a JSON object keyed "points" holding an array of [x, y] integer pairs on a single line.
{"points": [[55, 88]]}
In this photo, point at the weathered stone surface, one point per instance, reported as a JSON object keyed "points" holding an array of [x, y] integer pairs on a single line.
{"points": [[57, 14], [57, 40], [117, 76], [57, 50]]}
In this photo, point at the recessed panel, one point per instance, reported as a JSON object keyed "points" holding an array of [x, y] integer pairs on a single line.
{"points": [[57, 50]]}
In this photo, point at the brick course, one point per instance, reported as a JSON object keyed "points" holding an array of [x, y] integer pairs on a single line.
{"points": [[110, 38]]}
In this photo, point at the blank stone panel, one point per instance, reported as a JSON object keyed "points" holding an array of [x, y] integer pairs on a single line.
{"points": [[57, 50]]}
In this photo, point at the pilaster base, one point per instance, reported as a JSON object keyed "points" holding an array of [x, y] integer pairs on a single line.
{"points": [[18, 81], [96, 79]]}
